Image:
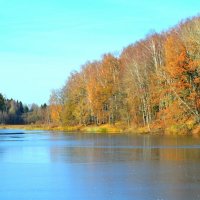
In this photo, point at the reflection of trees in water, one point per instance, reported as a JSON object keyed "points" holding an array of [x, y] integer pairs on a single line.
{"points": [[143, 162], [95, 148], [180, 149]]}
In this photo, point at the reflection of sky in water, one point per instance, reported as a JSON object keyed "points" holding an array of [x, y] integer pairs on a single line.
{"points": [[42, 165], [17, 147]]}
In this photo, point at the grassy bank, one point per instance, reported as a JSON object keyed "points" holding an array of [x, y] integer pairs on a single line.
{"points": [[90, 129], [188, 128], [96, 129]]}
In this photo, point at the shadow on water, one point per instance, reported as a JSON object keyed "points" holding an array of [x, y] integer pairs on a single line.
{"points": [[11, 132]]}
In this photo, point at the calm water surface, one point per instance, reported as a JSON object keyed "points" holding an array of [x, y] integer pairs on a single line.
{"points": [[42, 165]]}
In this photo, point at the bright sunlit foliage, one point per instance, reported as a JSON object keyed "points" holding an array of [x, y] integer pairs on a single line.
{"points": [[154, 83]]}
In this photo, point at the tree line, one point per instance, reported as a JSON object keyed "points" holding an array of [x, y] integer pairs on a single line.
{"points": [[15, 112], [155, 82]]}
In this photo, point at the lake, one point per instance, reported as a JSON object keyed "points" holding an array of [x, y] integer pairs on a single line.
{"points": [[42, 165]]}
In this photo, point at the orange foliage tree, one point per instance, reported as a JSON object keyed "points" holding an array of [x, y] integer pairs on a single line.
{"points": [[155, 81], [184, 75]]}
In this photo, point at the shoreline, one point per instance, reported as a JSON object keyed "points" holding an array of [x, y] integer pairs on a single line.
{"points": [[89, 129], [173, 131]]}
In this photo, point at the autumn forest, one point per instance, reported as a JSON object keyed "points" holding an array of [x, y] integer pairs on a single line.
{"points": [[154, 84]]}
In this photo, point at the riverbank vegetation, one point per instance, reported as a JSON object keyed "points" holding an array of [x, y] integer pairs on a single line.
{"points": [[154, 84]]}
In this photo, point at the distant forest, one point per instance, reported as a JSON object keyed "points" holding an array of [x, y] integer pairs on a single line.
{"points": [[154, 83], [15, 112]]}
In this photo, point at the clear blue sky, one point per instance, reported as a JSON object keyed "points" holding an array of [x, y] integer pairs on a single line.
{"points": [[42, 41]]}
